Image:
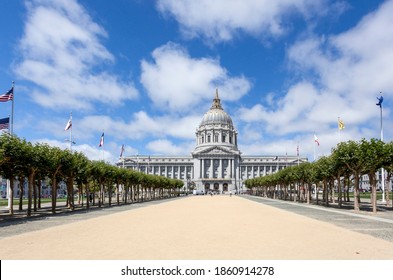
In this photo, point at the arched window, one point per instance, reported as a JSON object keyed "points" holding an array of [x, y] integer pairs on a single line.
{"points": [[215, 137], [202, 139], [208, 138], [223, 138]]}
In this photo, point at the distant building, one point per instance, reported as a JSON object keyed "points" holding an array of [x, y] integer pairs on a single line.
{"points": [[216, 164]]}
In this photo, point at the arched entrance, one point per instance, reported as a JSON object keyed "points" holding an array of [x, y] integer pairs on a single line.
{"points": [[216, 187], [207, 187], [225, 187]]}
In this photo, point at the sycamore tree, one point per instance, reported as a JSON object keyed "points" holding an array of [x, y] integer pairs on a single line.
{"points": [[81, 175], [11, 162], [372, 158], [388, 166]]}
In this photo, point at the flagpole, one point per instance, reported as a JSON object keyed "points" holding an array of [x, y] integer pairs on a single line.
{"points": [[103, 143], [382, 170], [71, 132], [12, 131], [12, 110], [314, 146]]}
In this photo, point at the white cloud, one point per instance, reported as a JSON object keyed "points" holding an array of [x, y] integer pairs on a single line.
{"points": [[290, 114], [354, 65], [91, 152], [177, 82], [164, 146], [221, 20], [140, 126], [61, 55], [341, 76]]}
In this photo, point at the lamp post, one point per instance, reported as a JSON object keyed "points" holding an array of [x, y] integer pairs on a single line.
{"points": [[380, 100], [188, 182]]}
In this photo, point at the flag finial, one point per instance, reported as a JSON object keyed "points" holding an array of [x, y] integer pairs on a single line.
{"points": [[380, 100]]}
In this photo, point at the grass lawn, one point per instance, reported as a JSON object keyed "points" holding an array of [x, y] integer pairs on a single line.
{"points": [[4, 202], [367, 195]]}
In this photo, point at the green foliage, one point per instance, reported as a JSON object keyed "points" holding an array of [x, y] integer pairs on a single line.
{"points": [[19, 157], [347, 158]]}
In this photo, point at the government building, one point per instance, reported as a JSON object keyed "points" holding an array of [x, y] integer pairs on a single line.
{"points": [[216, 164]]}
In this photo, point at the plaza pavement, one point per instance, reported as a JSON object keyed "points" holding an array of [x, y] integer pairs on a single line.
{"points": [[202, 227]]}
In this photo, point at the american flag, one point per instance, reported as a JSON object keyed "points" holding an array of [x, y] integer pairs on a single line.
{"points": [[316, 139], [4, 123], [9, 95]]}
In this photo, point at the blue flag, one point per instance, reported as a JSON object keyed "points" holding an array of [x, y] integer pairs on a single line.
{"points": [[380, 100]]}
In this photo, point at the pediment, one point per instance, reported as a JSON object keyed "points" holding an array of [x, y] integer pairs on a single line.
{"points": [[215, 150]]}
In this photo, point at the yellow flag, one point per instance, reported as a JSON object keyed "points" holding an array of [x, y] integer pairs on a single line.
{"points": [[340, 124]]}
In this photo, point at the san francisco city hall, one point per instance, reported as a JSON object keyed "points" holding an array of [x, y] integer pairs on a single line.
{"points": [[216, 164]]}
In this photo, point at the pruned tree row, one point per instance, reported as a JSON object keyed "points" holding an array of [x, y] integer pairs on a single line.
{"points": [[95, 181], [339, 172]]}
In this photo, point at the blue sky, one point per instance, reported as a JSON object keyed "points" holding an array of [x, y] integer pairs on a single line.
{"points": [[145, 72]]}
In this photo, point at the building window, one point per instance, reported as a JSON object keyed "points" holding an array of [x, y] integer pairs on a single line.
{"points": [[208, 138], [202, 139], [223, 138], [215, 137], [230, 139]]}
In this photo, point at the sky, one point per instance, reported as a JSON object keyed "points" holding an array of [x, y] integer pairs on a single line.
{"points": [[145, 72]]}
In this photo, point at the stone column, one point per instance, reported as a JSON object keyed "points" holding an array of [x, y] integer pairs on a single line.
{"points": [[220, 168], [211, 169], [202, 168]]}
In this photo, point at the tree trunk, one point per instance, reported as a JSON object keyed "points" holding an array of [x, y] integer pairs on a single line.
{"points": [[371, 177], [326, 192], [87, 190], [70, 192], [100, 196], [118, 193], [346, 179], [30, 193], [388, 183], [11, 196], [339, 191], [356, 198], [54, 194], [35, 196], [21, 190], [39, 191], [308, 193], [333, 193], [110, 195]]}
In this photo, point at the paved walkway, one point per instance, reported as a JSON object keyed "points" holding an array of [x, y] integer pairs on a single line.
{"points": [[201, 227], [379, 225]]}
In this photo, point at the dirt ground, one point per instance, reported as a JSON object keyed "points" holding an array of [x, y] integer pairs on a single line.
{"points": [[197, 228]]}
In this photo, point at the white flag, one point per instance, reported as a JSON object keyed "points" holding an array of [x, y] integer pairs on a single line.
{"points": [[68, 125]]}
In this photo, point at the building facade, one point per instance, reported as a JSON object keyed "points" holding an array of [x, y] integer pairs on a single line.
{"points": [[216, 164]]}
